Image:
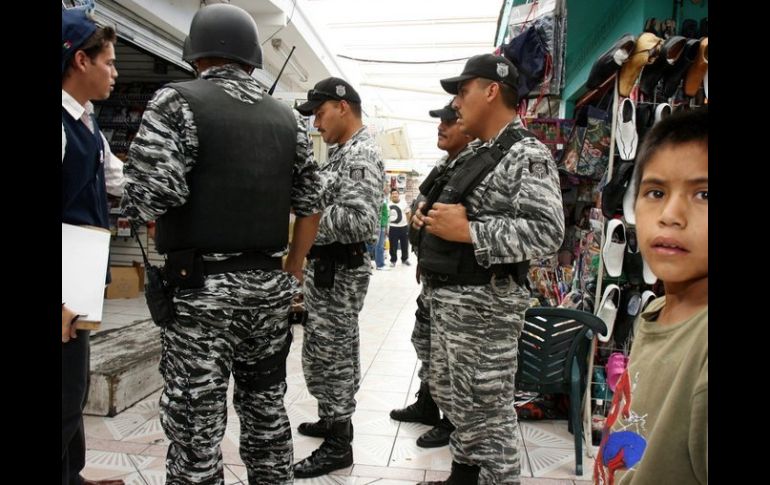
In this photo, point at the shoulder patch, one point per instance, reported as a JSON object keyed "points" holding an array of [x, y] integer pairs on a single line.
{"points": [[357, 173], [538, 168]]}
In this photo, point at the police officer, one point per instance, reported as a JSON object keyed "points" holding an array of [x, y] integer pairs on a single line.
{"points": [[452, 140], [89, 171], [219, 164], [337, 277], [499, 209]]}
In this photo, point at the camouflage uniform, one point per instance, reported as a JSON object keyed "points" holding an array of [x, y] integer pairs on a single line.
{"points": [[421, 332], [235, 322], [352, 180], [515, 215]]}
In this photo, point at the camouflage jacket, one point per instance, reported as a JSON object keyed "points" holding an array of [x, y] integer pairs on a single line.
{"points": [[353, 181], [516, 212]]}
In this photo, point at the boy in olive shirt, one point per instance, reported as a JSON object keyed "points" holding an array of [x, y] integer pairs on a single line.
{"points": [[657, 428]]}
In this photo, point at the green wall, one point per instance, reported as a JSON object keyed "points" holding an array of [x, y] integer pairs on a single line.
{"points": [[592, 27]]}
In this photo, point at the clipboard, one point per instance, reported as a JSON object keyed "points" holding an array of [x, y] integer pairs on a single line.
{"points": [[85, 257]]}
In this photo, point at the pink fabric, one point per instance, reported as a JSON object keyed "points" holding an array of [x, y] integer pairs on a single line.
{"points": [[616, 365]]}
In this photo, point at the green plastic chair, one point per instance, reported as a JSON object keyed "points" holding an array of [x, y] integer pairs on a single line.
{"points": [[553, 354]]}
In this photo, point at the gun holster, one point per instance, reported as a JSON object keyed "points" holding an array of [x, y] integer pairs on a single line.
{"points": [[323, 273], [520, 273]]}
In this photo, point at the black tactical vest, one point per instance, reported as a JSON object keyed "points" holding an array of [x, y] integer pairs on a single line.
{"points": [[240, 186], [439, 256]]}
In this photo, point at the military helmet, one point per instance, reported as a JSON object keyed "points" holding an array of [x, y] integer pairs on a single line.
{"points": [[223, 30]]}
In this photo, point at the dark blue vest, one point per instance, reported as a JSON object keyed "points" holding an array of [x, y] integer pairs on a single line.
{"points": [[83, 190]]}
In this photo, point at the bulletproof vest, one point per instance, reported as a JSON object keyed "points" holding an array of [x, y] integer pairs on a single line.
{"points": [[84, 195], [240, 186], [438, 255]]}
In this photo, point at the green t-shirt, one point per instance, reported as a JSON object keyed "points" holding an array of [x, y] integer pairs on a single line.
{"points": [[384, 215], [659, 414]]}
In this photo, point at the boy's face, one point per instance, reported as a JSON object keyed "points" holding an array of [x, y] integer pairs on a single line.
{"points": [[672, 219], [101, 73]]}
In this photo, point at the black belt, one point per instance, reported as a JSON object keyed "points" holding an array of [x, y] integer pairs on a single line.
{"points": [[497, 274], [242, 262], [337, 251]]}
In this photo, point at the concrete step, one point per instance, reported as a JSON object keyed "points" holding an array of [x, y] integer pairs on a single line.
{"points": [[124, 367]]}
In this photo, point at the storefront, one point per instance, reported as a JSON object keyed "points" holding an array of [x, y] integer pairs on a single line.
{"points": [[611, 69]]}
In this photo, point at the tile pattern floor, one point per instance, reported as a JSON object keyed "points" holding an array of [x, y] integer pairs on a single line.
{"points": [[132, 445]]}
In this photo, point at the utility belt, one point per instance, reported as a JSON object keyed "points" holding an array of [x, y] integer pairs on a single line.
{"points": [[328, 256], [186, 269], [350, 255], [496, 275]]}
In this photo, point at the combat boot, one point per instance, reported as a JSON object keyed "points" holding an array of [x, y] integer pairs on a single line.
{"points": [[437, 436], [462, 474], [319, 429], [334, 453], [424, 410]]}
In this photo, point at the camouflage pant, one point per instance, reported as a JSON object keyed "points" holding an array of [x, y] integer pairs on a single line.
{"points": [[421, 335], [236, 323], [474, 346], [330, 351]]}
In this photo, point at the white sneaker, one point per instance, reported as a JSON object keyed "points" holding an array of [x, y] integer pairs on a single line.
{"points": [[614, 247], [626, 137], [608, 310]]}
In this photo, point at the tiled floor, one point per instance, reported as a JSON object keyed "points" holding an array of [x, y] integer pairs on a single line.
{"points": [[132, 446]]}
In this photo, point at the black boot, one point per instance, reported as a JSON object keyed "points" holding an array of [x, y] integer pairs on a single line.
{"points": [[438, 436], [462, 474], [423, 411], [334, 453], [319, 429]]}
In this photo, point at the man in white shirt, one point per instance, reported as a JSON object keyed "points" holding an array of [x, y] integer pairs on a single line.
{"points": [[398, 233], [88, 172]]}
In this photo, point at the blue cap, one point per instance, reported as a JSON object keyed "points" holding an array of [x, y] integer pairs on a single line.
{"points": [[76, 28]]}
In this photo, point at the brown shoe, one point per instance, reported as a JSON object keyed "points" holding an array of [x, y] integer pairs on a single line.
{"points": [[645, 52], [103, 482], [697, 71]]}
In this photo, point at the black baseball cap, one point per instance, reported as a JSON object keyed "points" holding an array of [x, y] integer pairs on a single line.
{"points": [[329, 89], [447, 113], [488, 66]]}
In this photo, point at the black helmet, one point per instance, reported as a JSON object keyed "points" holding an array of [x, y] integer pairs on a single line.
{"points": [[223, 30]]}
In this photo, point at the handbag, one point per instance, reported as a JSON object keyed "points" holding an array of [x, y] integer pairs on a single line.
{"points": [[529, 53], [588, 150]]}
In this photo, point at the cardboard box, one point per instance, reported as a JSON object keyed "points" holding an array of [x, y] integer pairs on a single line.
{"points": [[127, 281]]}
